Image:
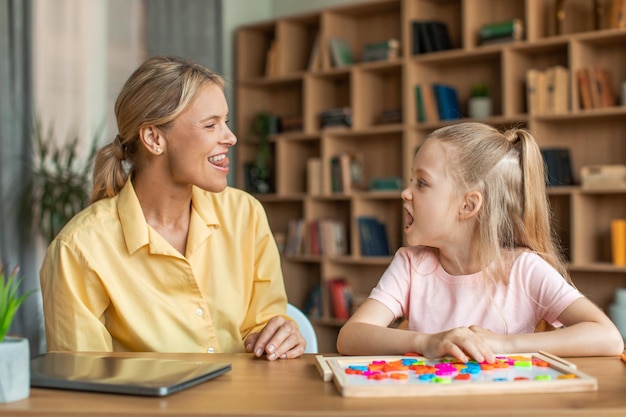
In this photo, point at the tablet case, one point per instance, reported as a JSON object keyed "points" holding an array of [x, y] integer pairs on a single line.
{"points": [[122, 375]]}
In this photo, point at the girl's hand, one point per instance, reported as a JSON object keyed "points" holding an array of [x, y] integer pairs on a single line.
{"points": [[280, 338], [464, 343]]}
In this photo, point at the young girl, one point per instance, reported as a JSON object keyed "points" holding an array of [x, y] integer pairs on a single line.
{"points": [[481, 270]]}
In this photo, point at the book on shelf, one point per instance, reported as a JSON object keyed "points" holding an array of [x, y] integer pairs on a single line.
{"points": [[341, 295], [346, 171], [536, 91], [618, 242], [388, 116], [380, 51], [604, 85], [557, 89], [426, 104], [448, 106], [584, 88], [271, 60], [373, 237], [314, 176], [596, 88], [618, 14], [313, 305], [315, 59], [603, 177], [502, 31], [558, 166], [429, 36], [315, 237], [341, 52], [419, 104], [339, 116], [385, 184]]}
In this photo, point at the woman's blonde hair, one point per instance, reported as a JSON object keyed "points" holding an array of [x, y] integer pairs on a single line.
{"points": [[508, 170], [154, 95]]}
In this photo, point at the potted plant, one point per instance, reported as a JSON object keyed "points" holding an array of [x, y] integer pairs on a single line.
{"points": [[260, 178], [480, 102], [14, 351], [60, 184]]}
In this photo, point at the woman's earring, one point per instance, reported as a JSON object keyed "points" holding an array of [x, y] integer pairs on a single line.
{"points": [[158, 150]]}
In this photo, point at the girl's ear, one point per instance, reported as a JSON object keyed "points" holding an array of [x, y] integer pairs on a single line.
{"points": [[152, 139], [472, 202]]}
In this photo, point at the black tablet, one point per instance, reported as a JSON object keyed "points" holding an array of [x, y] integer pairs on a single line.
{"points": [[121, 375]]}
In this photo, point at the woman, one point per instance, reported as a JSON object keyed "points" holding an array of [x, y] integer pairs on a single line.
{"points": [[167, 257]]}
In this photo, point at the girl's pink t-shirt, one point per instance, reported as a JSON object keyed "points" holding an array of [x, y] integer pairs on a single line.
{"points": [[415, 286]]}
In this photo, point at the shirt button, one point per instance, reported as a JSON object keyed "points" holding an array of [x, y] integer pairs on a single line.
{"points": [[210, 350], [199, 311]]}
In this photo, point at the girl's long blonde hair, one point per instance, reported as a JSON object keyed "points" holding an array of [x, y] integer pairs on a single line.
{"points": [[508, 170]]}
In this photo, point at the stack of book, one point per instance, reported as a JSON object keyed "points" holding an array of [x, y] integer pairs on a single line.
{"points": [[430, 36], [316, 237], [558, 166], [373, 237], [341, 296], [548, 91], [340, 116], [435, 102], [346, 173], [380, 51], [498, 32], [596, 88]]}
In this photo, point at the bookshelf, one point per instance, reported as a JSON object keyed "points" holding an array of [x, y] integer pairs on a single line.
{"points": [[595, 136]]}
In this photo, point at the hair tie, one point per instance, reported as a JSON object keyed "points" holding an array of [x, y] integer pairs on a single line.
{"points": [[120, 149]]}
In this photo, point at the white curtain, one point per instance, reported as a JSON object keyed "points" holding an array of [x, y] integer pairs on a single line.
{"points": [[17, 246]]}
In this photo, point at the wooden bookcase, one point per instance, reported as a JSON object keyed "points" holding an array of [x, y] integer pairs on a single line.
{"points": [[582, 218]]}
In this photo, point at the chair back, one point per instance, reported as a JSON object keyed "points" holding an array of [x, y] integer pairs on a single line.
{"points": [[306, 328]]}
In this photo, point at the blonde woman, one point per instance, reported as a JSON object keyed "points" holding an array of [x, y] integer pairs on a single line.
{"points": [[167, 257]]}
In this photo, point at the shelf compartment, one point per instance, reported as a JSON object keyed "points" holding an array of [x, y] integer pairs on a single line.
{"points": [[518, 60], [361, 277], [461, 72], [605, 50], [449, 12], [592, 214], [253, 42], [599, 283], [300, 279], [323, 92], [361, 24], [389, 212], [592, 140], [291, 164], [285, 97], [375, 90], [296, 39], [561, 206], [578, 17], [476, 13], [374, 151]]}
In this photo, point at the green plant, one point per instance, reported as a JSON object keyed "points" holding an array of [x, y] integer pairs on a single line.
{"points": [[61, 182], [480, 90], [10, 300], [261, 168]]}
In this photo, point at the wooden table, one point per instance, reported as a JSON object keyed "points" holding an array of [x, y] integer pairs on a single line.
{"points": [[255, 387]]}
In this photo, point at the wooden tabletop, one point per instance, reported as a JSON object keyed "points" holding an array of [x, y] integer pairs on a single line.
{"points": [[256, 387]]}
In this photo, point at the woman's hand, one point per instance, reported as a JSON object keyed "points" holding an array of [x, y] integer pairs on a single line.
{"points": [[463, 343], [279, 339]]}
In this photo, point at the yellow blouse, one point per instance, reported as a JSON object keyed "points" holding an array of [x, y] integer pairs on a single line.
{"points": [[111, 283]]}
